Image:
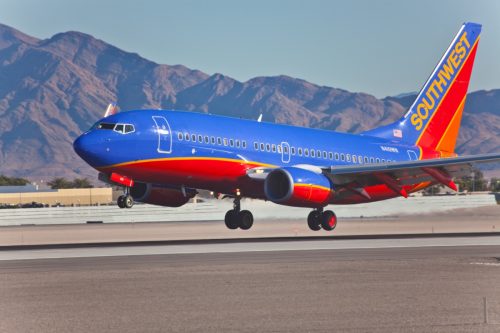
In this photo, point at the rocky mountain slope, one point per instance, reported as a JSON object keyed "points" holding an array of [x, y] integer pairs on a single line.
{"points": [[51, 90]]}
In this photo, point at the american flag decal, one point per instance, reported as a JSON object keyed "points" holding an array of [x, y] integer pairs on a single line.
{"points": [[397, 133]]}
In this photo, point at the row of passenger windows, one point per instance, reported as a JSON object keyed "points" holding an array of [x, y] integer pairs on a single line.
{"points": [[212, 140], [318, 153], [268, 147]]}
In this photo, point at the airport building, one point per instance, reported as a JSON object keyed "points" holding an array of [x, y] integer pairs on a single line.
{"points": [[28, 194]]}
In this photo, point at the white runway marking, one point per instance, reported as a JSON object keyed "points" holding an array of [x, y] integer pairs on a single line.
{"points": [[247, 247]]}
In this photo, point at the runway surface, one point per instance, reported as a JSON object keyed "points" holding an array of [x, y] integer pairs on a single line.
{"points": [[433, 284]]}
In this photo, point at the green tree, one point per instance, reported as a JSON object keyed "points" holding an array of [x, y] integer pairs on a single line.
{"points": [[81, 183], [8, 181], [495, 184], [474, 182], [59, 183]]}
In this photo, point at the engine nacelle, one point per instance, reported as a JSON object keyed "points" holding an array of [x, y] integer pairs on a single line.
{"points": [[161, 196], [297, 187]]}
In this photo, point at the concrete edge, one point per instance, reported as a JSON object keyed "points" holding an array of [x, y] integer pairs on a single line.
{"points": [[242, 240]]}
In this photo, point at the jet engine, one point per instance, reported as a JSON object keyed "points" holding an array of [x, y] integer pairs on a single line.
{"points": [[294, 186], [161, 196]]}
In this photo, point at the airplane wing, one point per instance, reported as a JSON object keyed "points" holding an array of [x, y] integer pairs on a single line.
{"points": [[395, 174]]}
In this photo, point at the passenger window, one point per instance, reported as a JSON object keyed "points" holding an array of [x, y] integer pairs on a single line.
{"points": [[193, 137], [262, 146], [244, 144], [119, 128], [219, 140], [372, 160], [360, 159], [206, 139], [354, 159], [285, 149], [186, 136], [366, 159], [383, 161], [279, 149], [274, 148], [225, 141], [313, 153], [378, 160], [342, 157], [200, 139], [237, 143], [212, 139], [179, 136], [348, 157], [268, 147], [324, 154], [318, 153], [300, 151], [306, 152], [336, 156], [256, 145], [330, 155], [293, 151], [231, 142]]}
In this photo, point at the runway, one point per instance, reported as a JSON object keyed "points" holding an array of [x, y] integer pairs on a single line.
{"points": [[426, 284], [249, 245]]}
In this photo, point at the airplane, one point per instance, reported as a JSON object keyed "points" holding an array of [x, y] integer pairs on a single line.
{"points": [[163, 157]]}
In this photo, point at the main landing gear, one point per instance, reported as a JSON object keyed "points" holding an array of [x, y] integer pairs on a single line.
{"points": [[125, 200], [237, 218], [318, 219]]}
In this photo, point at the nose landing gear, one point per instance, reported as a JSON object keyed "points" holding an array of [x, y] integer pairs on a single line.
{"points": [[237, 218], [318, 219], [126, 200]]}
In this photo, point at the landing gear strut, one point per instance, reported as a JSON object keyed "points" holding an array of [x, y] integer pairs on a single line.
{"points": [[318, 219], [237, 218], [126, 200]]}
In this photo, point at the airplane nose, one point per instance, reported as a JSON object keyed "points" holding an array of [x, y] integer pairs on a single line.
{"points": [[87, 147], [80, 147]]}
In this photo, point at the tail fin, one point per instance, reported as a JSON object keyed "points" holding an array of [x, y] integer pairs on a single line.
{"points": [[433, 120]]}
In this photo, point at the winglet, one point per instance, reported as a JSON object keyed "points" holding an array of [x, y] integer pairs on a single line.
{"points": [[111, 110]]}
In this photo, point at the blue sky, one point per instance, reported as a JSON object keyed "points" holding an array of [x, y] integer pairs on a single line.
{"points": [[378, 47]]}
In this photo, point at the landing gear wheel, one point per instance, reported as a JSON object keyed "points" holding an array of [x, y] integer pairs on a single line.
{"points": [[231, 219], [245, 219], [128, 201], [328, 220], [314, 221], [120, 201]]}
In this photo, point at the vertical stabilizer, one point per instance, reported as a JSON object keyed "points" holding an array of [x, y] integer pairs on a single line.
{"points": [[433, 120]]}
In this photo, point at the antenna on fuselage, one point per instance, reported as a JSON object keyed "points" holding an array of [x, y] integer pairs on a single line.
{"points": [[260, 118], [111, 110]]}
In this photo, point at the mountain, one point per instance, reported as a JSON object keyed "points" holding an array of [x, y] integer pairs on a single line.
{"points": [[52, 90]]}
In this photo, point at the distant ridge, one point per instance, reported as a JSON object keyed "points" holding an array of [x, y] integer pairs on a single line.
{"points": [[53, 89]]}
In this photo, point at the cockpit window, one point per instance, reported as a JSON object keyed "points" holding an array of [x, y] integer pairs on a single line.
{"points": [[119, 128], [123, 128], [129, 128], [106, 126]]}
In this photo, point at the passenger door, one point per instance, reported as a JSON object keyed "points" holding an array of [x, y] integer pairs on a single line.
{"points": [[164, 135], [412, 155]]}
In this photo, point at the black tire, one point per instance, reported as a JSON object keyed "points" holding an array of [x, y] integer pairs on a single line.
{"points": [[328, 220], [245, 219], [128, 201], [231, 220], [120, 201], [313, 220]]}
